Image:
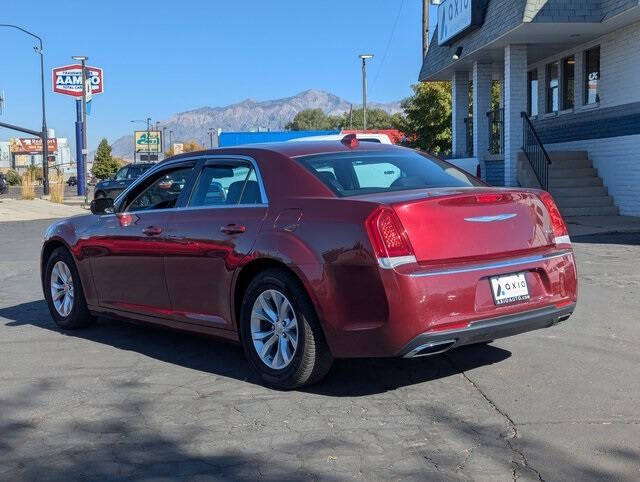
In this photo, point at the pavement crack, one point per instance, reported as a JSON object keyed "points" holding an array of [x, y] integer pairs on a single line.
{"points": [[523, 462]]}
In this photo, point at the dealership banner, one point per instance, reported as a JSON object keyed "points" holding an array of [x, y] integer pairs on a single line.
{"points": [[148, 141], [31, 145], [68, 80]]}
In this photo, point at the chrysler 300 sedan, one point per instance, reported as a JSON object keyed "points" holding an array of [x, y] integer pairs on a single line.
{"points": [[306, 252]]}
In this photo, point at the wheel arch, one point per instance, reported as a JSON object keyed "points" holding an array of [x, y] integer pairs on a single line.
{"points": [[49, 246], [252, 269]]}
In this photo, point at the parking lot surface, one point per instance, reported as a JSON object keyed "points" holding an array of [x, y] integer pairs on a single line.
{"points": [[121, 401]]}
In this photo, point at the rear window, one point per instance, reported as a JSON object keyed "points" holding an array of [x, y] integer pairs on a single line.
{"points": [[353, 173]]}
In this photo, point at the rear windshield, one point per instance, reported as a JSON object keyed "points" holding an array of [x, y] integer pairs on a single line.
{"points": [[353, 173]]}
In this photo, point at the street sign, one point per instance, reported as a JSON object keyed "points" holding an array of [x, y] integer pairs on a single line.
{"points": [[457, 17], [68, 80], [148, 141]]}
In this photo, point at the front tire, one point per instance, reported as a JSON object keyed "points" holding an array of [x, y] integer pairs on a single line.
{"points": [[63, 292], [280, 332]]}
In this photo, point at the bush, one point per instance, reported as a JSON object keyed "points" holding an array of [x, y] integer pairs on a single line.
{"points": [[13, 178]]}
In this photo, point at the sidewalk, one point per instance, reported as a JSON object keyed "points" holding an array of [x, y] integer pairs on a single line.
{"points": [[19, 210], [585, 225]]}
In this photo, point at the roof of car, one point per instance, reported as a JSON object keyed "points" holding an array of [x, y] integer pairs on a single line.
{"points": [[292, 149]]}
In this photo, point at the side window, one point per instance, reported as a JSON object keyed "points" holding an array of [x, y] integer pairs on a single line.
{"points": [[226, 185], [379, 174], [161, 191], [121, 175]]}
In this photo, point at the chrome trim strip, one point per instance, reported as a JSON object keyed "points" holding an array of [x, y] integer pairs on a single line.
{"points": [[495, 265], [490, 219], [390, 263]]}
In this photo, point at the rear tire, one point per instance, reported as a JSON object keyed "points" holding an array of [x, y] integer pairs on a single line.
{"points": [[280, 332], [63, 292]]}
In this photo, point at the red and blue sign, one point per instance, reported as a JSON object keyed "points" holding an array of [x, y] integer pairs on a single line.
{"points": [[68, 80]]}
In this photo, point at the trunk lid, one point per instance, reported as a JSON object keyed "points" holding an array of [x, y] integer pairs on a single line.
{"points": [[447, 224]]}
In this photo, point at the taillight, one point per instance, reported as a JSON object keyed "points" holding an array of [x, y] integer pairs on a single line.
{"points": [[389, 239], [560, 232]]}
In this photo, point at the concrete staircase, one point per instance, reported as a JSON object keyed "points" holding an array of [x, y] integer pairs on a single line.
{"points": [[576, 187]]}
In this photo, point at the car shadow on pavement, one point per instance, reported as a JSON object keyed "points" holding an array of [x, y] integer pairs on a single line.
{"points": [[629, 239], [348, 378]]}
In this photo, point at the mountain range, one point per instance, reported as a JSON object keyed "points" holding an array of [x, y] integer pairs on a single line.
{"points": [[248, 115]]}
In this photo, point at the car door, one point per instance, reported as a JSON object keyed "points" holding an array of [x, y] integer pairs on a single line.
{"points": [[213, 233], [127, 248]]}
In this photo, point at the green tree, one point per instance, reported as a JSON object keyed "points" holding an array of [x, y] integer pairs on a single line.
{"points": [[312, 120], [427, 117], [376, 119], [104, 165]]}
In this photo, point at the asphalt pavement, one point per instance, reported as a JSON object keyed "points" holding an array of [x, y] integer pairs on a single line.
{"points": [[121, 401]]}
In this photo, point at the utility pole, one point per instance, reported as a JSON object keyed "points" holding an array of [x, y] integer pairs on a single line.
{"points": [[44, 135], [148, 139], [351, 116], [425, 28], [211, 137], [364, 58], [170, 144]]}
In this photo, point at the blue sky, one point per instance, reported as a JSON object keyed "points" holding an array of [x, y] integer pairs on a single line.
{"points": [[164, 57]]}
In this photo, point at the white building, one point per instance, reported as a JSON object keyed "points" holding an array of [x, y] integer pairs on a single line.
{"points": [[573, 67]]}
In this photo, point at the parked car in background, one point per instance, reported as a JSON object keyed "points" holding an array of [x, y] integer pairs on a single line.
{"points": [[72, 181], [123, 178], [308, 251], [4, 184]]}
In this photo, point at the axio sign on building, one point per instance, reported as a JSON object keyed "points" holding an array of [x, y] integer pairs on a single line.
{"points": [[68, 80], [456, 17]]}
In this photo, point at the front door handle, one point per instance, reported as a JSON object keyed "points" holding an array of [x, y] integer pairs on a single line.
{"points": [[233, 229], [152, 230]]}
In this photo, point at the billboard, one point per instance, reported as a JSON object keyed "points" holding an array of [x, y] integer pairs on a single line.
{"points": [[147, 141], [68, 80], [31, 145]]}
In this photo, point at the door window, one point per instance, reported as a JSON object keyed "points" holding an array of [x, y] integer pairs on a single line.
{"points": [[121, 175], [592, 76], [568, 79], [161, 191], [552, 87], [226, 185]]}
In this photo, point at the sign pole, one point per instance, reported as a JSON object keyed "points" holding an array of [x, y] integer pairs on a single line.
{"points": [[79, 163], [82, 182]]}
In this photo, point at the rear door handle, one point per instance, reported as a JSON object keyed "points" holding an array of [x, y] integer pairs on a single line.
{"points": [[152, 230], [233, 229]]}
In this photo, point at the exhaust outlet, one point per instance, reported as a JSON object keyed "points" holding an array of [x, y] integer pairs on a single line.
{"points": [[431, 348]]}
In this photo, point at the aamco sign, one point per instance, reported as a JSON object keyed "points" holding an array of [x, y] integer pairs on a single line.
{"points": [[68, 80]]}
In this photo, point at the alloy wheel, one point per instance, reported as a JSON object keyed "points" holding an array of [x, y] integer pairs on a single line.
{"points": [[62, 288], [274, 329]]}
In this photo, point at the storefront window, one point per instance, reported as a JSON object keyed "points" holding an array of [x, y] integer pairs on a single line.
{"points": [[592, 76], [568, 78], [552, 87], [532, 97]]}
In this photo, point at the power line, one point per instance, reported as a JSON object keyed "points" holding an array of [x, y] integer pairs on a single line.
{"points": [[386, 50]]}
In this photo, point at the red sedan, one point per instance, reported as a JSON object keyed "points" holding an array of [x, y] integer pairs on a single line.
{"points": [[306, 252]]}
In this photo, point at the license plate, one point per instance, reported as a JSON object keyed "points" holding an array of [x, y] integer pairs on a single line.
{"points": [[511, 288]]}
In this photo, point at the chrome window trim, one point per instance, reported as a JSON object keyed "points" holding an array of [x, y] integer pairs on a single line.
{"points": [[196, 158], [189, 208], [494, 265]]}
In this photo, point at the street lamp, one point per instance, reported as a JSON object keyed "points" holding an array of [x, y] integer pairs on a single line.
{"points": [[82, 185], [44, 136], [364, 58]]}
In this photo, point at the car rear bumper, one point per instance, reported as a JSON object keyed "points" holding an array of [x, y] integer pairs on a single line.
{"points": [[485, 330]]}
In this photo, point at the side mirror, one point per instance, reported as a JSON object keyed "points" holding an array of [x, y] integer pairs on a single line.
{"points": [[102, 205]]}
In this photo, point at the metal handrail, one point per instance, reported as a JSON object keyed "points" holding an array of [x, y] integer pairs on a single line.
{"points": [[535, 152]]}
